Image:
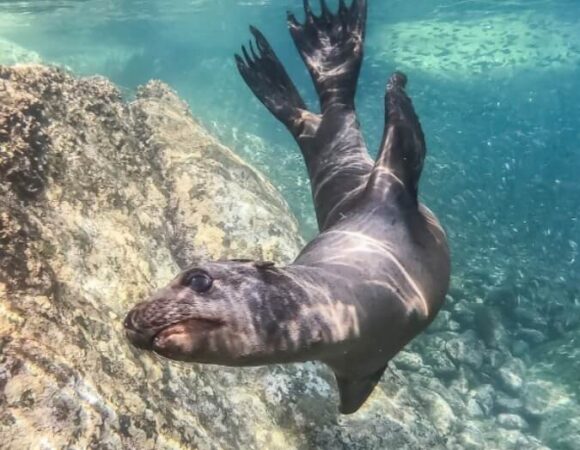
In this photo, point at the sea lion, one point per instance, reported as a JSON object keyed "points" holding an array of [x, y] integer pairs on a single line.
{"points": [[374, 277]]}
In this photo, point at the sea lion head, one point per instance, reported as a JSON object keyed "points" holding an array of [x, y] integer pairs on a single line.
{"points": [[222, 312]]}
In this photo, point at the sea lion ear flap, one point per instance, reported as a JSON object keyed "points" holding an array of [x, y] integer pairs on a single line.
{"points": [[264, 265], [355, 391]]}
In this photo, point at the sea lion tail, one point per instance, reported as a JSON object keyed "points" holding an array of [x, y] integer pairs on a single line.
{"points": [[331, 47], [403, 146], [266, 77]]}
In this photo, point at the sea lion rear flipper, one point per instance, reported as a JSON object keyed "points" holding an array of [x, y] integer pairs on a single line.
{"points": [[355, 391], [266, 77], [403, 149], [331, 46]]}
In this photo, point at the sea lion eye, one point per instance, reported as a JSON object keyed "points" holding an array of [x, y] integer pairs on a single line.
{"points": [[198, 281]]}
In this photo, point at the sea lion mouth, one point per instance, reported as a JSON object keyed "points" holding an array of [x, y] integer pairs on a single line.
{"points": [[156, 338], [178, 340]]}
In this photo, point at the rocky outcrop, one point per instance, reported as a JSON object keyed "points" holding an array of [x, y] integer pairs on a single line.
{"points": [[102, 200]]}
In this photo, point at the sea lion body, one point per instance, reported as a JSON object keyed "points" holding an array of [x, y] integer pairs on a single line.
{"points": [[375, 276], [389, 273]]}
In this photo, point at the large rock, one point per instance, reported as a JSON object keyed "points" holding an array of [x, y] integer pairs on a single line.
{"points": [[97, 210], [100, 202]]}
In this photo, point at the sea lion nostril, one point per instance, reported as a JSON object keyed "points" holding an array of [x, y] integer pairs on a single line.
{"points": [[128, 322], [137, 333]]}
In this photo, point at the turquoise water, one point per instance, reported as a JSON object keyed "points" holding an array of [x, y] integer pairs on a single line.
{"points": [[496, 84]]}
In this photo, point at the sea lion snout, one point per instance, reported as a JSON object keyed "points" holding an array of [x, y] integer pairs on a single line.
{"points": [[176, 320], [138, 336]]}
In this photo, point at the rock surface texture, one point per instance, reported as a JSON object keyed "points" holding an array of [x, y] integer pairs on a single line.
{"points": [[103, 200]]}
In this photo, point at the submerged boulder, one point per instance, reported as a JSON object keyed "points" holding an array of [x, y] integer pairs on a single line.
{"points": [[101, 201]]}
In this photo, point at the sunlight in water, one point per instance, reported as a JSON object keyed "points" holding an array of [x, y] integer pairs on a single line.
{"points": [[496, 86]]}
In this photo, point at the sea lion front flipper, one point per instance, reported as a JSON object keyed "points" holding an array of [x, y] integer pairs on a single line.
{"points": [[266, 77], [403, 149], [355, 391]]}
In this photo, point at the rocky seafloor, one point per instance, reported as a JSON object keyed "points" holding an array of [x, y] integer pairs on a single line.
{"points": [[102, 199]]}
